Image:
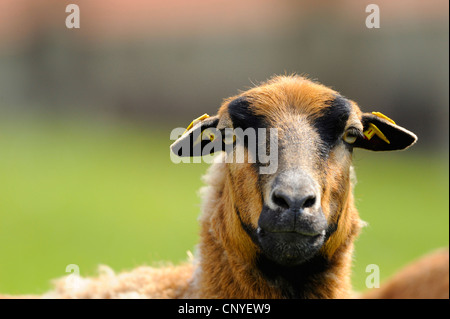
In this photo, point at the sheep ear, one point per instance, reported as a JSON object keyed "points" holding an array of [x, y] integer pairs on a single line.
{"points": [[200, 138], [382, 134]]}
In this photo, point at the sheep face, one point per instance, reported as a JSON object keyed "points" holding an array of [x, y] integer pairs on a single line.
{"points": [[303, 207]]}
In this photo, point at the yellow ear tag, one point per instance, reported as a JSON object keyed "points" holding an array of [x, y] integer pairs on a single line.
{"points": [[374, 130], [379, 114], [194, 122], [211, 137]]}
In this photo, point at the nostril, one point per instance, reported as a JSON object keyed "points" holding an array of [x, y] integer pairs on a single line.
{"points": [[280, 200], [309, 201], [284, 200]]}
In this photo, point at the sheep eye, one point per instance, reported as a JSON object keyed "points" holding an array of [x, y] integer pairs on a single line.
{"points": [[351, 135]]}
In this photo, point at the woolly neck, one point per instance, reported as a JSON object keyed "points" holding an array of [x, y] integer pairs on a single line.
{"points": [[230, 265]]}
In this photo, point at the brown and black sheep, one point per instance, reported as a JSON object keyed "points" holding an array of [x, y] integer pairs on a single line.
{"points": [[288, 233]]}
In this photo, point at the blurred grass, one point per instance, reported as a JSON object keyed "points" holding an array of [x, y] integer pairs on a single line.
{"points": [[89, 193], [404, 198]]}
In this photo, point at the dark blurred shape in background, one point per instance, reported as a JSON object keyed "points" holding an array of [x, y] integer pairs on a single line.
{"points": [[169, 61]]}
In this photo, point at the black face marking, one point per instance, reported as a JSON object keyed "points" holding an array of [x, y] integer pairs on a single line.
{"points": [[295, 282], [292, 281], [331, 124], [331, 229], [243, 117], [249, 229]]}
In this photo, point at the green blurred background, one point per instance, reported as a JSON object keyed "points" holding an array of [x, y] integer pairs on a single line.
{"points": [[85, 118]]}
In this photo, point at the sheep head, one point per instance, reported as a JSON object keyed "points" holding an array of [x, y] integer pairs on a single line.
{"points": [[291, 188]]}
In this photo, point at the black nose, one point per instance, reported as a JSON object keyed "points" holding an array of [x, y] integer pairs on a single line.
{"points": [[293, 206], [293, 201], [294, 190]]}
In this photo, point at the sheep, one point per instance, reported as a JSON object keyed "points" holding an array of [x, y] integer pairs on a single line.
{"points": [[288, 233]]}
